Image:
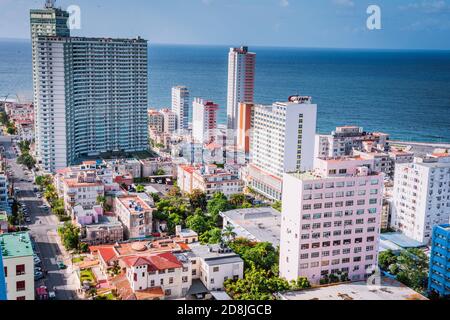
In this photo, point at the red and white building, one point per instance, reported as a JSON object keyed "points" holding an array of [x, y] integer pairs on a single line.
{"points": [[204, 123], [241, 82]]}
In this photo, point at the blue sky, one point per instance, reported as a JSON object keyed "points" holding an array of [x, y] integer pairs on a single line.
{"points": [[406, 24]]}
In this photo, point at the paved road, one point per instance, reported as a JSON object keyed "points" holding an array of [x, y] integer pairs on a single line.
{"points": [[43, 229]]}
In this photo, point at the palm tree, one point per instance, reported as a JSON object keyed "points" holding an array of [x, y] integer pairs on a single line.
{"points": [[228, 232]]}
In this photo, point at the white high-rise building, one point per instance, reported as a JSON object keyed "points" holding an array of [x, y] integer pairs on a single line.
{"points": [[421, 197], [331, 220], [90, 94], [241, 82], [48, 21], [204, 122], [282, 141], [181, 106]]}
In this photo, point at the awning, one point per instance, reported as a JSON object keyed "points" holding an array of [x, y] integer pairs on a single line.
{"points": [[197, 287]]}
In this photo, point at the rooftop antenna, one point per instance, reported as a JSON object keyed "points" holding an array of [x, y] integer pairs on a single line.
{"points": [[49, 4]]}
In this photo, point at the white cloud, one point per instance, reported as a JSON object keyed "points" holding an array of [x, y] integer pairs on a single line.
{"points": [[284, 3], [344, 3], [428, 6]]}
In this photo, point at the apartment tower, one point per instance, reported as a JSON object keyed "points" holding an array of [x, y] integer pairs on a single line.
{"points": [[282, 141], [181, 106], [331, 220], [241, 82]]}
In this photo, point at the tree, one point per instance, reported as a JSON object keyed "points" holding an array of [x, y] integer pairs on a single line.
{"points": [[277, 206], [228, 233], [238, 200], [160, 172], [140, 188], [26, 160], [260, 255], [198, 222], [386, 258], [156, 197], [257, 284], [197, 199], [218, 203], [413, 269], [43, 181], [212, 236], [174, 192], [70, 236]]}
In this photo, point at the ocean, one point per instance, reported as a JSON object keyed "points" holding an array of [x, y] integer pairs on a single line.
{"points": [[404, 93]]}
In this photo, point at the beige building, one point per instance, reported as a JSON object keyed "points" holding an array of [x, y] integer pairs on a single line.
{"points": [[136, 216]]}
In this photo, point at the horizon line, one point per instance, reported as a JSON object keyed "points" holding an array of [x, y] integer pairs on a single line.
{"points": [[258, 45]]}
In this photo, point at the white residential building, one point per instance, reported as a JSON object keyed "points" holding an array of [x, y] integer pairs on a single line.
{"points": [[18, 263], [181, 106], [209, 179], [343, 140], [82, 191], [421, 198], [282, 141], [331, 220], [170, 120], [241, 82], [204, 123]]}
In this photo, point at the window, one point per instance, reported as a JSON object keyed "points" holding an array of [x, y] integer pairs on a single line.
{"points": [[20, 286], [20, 269], [152, 283], [161, 282], [168, 292], [185, 279], [21, 298], [194, 272], [170, 280], [216, 269], [171, 270]]}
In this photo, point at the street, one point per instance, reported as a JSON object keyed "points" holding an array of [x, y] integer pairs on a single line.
{"points": [[43, 230]]}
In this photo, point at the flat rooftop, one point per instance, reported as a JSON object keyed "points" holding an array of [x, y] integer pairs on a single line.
{"points": [[210, 253], [15, 245], [259, 224], [134, 204], [389, 289], [401, 240]]}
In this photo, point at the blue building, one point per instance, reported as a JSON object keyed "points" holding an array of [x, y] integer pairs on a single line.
{"points": [[2, 279], [439, 281]]}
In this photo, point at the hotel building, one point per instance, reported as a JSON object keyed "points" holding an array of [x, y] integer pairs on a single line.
{"points": [[331, 220], [181, 106], [282, 141], [204, 120], [90, 93], [241, 81], [18, 265], [421, 198]]}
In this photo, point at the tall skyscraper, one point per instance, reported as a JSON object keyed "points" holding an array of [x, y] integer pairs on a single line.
{"points": [[181, 106], [282, 141], [49, 21], [204, 123], [421, 196], [91, 95], [331, 220], [241, 82]]}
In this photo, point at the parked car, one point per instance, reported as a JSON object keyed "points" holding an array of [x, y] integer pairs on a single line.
{"points": [[61, 266], [27, 219], [38, 275]]}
